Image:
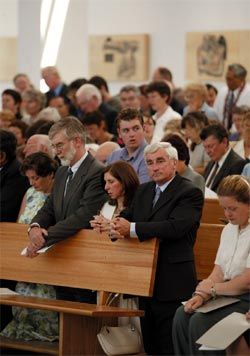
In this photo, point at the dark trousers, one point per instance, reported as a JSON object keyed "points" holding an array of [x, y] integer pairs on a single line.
{"points": [[156, 325], [187, 328], [76, 295]]}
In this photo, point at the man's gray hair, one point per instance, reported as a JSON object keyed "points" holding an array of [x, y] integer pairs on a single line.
{"points": [[130, 87], [238, 70], [169, 149], [50, 114], [88, 91], [72, 126]]}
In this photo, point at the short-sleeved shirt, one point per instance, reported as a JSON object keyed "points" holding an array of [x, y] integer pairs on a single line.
{"points": [[137, 160], [233, 255]]}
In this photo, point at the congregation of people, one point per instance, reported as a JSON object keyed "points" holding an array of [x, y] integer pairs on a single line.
{"points": [[137, 165]]}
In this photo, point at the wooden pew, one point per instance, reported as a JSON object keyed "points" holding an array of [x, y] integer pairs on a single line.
{"points": [[205, 249], [88, 260], [212, 212]]}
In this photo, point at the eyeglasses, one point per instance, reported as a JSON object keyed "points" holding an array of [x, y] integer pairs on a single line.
{"points": [[58, 146]]}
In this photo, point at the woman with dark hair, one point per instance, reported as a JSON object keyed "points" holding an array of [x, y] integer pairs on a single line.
{"points": [[12, 101], [30, 324], [192, 124], [229, 277], [120, 182]]}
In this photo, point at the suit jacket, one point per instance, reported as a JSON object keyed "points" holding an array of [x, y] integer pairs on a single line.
{"points": [[63, 215], [174, 220], [51, 94], [13, 187], [232, 165]]}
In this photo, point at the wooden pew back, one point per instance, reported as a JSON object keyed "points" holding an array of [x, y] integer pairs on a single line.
{"points": [[205, 249], [88, 260], [212, 212]]}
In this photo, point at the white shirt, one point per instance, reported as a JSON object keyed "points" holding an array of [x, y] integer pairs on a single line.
{"points": [[233, 255], [239, 148], [160, 123], [244, 99]]}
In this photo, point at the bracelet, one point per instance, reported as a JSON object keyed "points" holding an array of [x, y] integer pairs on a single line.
{"points": [[213, 292], [200, 294], [33, 225]]}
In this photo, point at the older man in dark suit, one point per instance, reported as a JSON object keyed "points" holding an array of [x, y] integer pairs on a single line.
{"points": [[168, 208], [77, 193], [224, 161]]}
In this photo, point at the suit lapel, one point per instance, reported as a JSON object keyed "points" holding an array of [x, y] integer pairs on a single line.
{"points": [[166, 196], [76, 181], [222, 171]]}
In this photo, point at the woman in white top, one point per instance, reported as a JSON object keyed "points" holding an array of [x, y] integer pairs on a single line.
{"points": [[120, 182], [242, 147], [192, 124], [230, 276]]}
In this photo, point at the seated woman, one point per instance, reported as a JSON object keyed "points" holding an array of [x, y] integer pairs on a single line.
{"points": [[195, 96], [120, 182], [230, 276], [30, 324], [193, 123], [242, 147]]}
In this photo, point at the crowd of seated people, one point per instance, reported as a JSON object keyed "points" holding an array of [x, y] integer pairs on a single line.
{"points": [[208, 130]]}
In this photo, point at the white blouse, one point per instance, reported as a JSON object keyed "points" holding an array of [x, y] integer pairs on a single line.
{"points": [[233, 255]]}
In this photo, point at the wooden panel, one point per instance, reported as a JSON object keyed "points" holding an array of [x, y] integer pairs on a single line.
{"points": [[212, 212], [91, 310], [50, 348], [78, 335], [205, 249], [87, 260]]}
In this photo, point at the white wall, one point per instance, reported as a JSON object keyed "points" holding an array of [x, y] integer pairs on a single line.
{"points": [[8, 26], [167, 22]]}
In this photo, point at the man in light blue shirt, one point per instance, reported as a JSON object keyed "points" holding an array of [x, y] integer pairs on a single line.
{"points": [[130, 130]]}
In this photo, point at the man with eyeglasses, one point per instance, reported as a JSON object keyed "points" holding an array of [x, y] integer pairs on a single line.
{"points": [[77, 193], [168, 208], [224, 161], [130, 130]]}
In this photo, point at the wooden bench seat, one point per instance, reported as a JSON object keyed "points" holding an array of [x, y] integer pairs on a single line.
{"points": [[89, 261], [212, 212], [205, 249]]}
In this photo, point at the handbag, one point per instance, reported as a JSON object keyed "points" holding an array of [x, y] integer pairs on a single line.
{"points": [[119, 340]]}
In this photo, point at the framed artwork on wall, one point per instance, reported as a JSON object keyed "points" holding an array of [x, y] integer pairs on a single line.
{"points": [[119, 57], [209, 53]]}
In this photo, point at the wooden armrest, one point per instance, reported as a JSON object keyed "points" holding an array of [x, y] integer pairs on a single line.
{"points": [[67, 307]]}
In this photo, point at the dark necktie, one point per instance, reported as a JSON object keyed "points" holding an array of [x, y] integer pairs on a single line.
{"points": [[227, 119], [68, 181], [157, 195], [213, 174]]}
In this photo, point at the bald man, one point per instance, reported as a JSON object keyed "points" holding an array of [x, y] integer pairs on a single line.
{"points": [[38, 143]]}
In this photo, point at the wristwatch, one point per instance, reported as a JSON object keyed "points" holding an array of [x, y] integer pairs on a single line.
{"points": [[33, 225], [213, 292]]}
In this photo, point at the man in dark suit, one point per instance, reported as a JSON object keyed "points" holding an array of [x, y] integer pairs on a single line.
{"points": [[168, 208], [224, 161], [89, 99], [53, 79], [12, 184], [77, 194], [12, 189]]}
